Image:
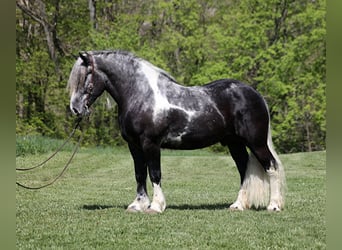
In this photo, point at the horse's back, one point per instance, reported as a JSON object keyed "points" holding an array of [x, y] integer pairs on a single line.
{"points": [[244, 109], [225, 109], [230, 86], [236, 95]]}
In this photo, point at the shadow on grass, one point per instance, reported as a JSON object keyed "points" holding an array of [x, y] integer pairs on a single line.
{"points": [[218, 206], [99, 207]]}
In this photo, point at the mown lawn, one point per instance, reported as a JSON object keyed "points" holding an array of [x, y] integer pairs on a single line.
{"points": [[86, 208]]}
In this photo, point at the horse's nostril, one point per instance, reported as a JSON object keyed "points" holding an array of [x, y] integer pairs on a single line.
{"points": [[75, 111]]}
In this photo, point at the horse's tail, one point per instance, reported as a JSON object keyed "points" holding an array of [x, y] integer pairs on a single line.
{"points": [[257, 181]]}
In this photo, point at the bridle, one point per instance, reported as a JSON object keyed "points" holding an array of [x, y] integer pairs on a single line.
{"points": [[77, 125], [89, 89]]}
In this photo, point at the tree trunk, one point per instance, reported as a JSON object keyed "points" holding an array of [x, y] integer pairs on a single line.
{"points": [[37, 11], [92, 12]]}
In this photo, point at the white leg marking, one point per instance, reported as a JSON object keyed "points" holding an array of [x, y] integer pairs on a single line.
{"points": [[276, 197], [140, 204], [277, 180], [256, 183], [158, 203], [241, 201], [255, 188]]}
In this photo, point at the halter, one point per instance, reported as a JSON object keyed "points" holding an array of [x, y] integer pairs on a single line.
{"points": [[91, 61], [89, 90]]}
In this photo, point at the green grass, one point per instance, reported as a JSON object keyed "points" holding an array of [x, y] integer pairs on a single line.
{"points": [[37, 144], [86, 208]]}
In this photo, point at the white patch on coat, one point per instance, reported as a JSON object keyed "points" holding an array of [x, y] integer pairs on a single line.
{"points": [[161, 103], [175, 138]]}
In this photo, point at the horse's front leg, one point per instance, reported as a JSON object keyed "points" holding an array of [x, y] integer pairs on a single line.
{"points": [[152, 156], [141, 202]]}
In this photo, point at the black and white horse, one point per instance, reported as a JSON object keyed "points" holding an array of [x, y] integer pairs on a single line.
{"points": [[156, 112]]}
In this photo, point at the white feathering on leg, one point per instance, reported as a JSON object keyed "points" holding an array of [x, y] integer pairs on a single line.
{"points": [[277, 180], [158, 203], [256, 183], [241, 202], [140, 204]]}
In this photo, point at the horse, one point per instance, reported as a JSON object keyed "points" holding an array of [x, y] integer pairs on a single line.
{"points": [[155, 112]]}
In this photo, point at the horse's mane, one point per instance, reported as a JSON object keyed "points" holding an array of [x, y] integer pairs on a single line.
{"points": [[78, 72], [130, 56]]}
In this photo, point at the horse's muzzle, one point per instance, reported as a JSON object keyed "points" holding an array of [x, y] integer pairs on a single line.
{"points": [[80, 112]]}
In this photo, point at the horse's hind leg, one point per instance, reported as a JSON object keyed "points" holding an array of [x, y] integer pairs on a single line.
{"points": [[240, 156], [141, 202], [262, 178], [274, 169], [262, 175]]}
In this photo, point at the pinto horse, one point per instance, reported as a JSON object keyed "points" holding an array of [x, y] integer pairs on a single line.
{"points": [[155, 112]]}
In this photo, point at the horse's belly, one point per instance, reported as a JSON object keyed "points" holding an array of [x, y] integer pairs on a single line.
{"points": [[189, 140], [198, 130]]}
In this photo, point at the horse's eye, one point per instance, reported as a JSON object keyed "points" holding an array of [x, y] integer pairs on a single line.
{"points": [[89, 88]]}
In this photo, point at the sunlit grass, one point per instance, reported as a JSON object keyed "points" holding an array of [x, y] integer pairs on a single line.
{"points": [[86, 208]]}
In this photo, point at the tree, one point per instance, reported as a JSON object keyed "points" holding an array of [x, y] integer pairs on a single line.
{"points": [[276, 46]]}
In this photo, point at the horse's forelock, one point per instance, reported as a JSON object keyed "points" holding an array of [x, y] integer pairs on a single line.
{"points": [[77, 76]]}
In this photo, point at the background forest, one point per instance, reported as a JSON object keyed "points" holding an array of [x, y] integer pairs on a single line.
{"points": [[276, 46]]}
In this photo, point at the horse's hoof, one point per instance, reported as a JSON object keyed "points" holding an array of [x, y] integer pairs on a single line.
{"points": [[273, 207], [151, 211], [236, 207], [132, 210]]}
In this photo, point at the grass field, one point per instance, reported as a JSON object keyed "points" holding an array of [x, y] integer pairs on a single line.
{"points": [[86, 208]]}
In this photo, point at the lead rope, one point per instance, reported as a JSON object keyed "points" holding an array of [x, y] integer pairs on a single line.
{"points": [[57, 150], [66, 165]]}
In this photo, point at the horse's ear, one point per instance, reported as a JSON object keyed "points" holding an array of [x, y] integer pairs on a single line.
{"points": [[85, 57]]}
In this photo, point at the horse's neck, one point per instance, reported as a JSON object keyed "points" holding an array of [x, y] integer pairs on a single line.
{"points": [[123, 83]]}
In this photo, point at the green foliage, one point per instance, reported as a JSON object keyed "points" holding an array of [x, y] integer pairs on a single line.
{"points": [[37, 144], [278, 47]]}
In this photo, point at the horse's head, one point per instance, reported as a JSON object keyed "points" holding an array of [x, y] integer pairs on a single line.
{"points": [[85, 84]]}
